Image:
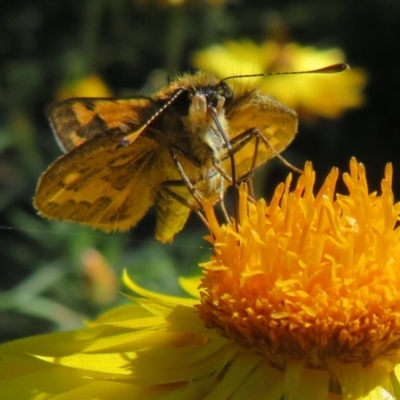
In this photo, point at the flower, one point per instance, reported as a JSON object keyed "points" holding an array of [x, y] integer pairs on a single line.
{"points": [[100, 278], [89, 86], [311, 284], [300, 301], [318, 94]]}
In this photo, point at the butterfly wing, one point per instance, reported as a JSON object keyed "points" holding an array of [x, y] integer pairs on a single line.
{"points": [[171, 214], [277, 122], [75, 121], [102, 184]]}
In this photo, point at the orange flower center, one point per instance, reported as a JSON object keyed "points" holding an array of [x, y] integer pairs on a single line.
{"points": [[309, 277]]}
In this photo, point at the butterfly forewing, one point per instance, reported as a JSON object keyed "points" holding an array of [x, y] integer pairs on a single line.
{"points": [[75, 121]]}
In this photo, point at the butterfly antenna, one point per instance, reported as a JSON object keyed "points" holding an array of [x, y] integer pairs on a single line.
{"points": [[129, 139], [331, 69]]}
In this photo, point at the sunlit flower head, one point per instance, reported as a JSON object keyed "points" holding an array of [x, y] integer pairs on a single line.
{"points": [[323, 95], [301, 302], [313, 281]]}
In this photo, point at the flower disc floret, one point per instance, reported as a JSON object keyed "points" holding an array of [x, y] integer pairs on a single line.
{"points": [[311, 277]]}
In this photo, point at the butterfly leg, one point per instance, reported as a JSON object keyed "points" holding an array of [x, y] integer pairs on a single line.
{"points": [[241, 140], [175, 151], [221, 189], [221, 192], [237, 144]]}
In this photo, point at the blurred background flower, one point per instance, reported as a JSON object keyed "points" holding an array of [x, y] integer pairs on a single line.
{"points": [[129, 47], [314, 94], [89, 86]]}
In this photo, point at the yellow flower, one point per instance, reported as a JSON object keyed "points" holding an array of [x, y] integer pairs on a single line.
{"points": [[312, 284], [302, 302], [324, 95], [89, 86]]}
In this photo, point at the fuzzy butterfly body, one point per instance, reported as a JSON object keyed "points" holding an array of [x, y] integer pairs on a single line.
{"points": [[125, 155]]}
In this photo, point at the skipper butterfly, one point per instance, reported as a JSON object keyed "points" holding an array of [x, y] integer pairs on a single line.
{"points": [[191, 139]]}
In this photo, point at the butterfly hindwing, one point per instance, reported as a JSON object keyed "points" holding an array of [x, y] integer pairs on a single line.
{"points": [[274, 120], [101, 184]]}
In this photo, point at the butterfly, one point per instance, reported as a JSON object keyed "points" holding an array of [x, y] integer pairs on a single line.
{"points": [[169, 150]]}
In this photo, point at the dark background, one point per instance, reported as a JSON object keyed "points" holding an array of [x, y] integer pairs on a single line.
{"points": [[46, 44]]}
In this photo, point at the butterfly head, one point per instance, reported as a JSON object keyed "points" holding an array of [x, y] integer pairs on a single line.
{"points": [[197, 101]]}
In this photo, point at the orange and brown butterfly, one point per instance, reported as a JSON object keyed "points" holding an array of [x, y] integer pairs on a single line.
{"points": [[125, 155]]}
